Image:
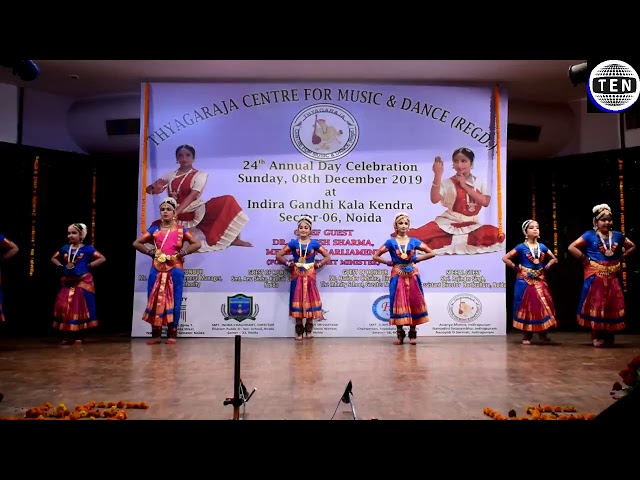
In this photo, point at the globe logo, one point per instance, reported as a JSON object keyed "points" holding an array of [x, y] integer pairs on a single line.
{"points": [[613, 86], [380, 308]]}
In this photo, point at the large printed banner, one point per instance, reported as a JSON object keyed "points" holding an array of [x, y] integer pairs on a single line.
{"points": [[351, 156]]}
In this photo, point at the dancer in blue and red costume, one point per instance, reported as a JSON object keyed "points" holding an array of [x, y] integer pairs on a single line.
{"points": [[166, 278], [602, 251], [407, 303], [10, 249], [304, 299], [533, 307], [75, 305]]}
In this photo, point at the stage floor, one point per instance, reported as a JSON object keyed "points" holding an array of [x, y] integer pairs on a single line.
{"points": [[440, 378]]}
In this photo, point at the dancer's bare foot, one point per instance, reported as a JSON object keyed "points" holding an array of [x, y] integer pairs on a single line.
{"points": [[154, 341], [171, 341], [238, 242]]}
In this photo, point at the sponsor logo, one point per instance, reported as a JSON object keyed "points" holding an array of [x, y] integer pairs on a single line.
{"points": [[380, 308], [183, 311], [464, 308], [239, 307], [324, 132]]}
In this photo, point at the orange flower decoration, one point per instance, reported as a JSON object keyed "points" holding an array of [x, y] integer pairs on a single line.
{"points": [[539, 412], [114, 411]]}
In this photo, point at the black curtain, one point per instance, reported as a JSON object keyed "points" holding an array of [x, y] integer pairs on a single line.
{"points": [[65, 194]]}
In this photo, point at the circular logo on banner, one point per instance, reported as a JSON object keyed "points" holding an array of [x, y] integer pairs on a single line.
{"points": [[324, 132], [613, 86], [380, 308], [464, 308]]}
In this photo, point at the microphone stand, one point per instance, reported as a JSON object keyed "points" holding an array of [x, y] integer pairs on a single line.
{"points": [[240, 397], [347, 397]]}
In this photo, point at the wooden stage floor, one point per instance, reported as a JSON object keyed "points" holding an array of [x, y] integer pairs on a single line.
{"points": [[440, 378]]}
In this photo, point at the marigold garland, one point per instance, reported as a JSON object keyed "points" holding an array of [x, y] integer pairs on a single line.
{"points": [[113, 411], [541, 412]]}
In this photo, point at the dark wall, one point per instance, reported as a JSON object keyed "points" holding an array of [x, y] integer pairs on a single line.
{"points": [[65, 196]]}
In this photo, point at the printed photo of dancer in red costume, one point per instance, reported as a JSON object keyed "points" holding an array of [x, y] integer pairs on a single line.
{"points": [[215, 223], [457, 230]]}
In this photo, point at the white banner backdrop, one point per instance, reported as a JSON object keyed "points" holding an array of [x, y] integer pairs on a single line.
{"points": [[349, 155], [452, 314]]}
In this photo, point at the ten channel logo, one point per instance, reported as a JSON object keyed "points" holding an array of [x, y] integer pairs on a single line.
{"points": [[613, 86]]}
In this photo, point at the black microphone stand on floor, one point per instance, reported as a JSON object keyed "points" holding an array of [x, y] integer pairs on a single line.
{"points": [[347, 397], [241, 394]]}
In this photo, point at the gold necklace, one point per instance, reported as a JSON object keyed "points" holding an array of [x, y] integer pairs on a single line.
{"points": [[471, 204], [535, 251], [72, 258], [608, 251], [160, 255], [403, 253], [174, 193]]}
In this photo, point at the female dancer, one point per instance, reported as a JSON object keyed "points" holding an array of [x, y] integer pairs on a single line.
{"points": [[602, 304], [217, 222], [408, 305], [457, 230], [166, 278], [10, 250], [304, 298], [533, 308], [75, 306]]}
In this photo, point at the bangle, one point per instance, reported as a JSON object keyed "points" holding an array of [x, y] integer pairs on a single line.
{"points": [[435, 184]]}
